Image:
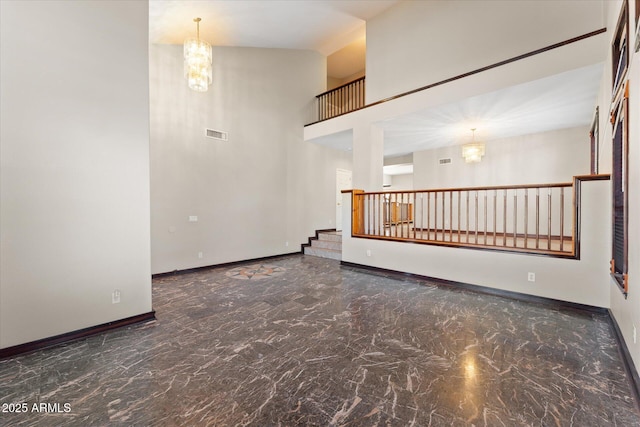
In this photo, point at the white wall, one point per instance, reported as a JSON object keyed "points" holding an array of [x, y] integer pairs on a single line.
{"points": [[400, 182], [259, 190], [416, 43], [580, 281], [74, 180], [548, 157]]}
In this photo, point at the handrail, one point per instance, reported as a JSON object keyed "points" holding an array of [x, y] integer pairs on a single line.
{"points": [[469, 73], [342, 99], [492, 187], [537, 218], [341, 86]]}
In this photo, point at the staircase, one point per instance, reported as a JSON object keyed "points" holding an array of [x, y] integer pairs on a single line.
{"points": [[326, 244]]}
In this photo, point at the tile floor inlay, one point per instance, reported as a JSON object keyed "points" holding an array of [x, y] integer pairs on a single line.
{"points": [[324, 345], [255, 271]]}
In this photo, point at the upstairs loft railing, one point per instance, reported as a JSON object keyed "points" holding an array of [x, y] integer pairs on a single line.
{"points": [[329, 105], [539, 219], [341, 100]]}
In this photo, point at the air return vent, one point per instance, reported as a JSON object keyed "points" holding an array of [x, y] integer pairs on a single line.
{"points": [[445, 161], [217, 134]]}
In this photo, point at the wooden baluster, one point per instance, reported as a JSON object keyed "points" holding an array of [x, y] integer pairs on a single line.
{"points": [[537, 218], [422, 216], [549, 220], [467, 219], [443, 215], [515, 217], [370, 214], [476, 215], [495, 215], [415, 204], [407, 209], [485, 217], [325, 102], [435, 216], [504, 218], [392, 230], [459, 210], [451, 216], [526, 217], [561, 218], [379, 221], [429, 216]]}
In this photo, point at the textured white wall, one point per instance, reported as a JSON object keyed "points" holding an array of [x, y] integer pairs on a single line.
{"points": [[416, 43], [401, 182], [549, 157], [257, 191], [74, 209]]}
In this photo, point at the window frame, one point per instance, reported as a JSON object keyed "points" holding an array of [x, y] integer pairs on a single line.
{"points": [[620, 52], [594, 136], [620, 151], [620, 188]]}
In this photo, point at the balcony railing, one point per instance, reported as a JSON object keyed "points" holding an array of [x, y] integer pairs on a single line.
{"points": [[341, 100], [538, 219]]}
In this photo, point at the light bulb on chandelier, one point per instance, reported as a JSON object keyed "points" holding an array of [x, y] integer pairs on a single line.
{"points": [[198, 58], [474, 151]]}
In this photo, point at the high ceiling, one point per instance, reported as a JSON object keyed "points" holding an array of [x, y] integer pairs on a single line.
{"points": [[561, 101], [321, 25]]}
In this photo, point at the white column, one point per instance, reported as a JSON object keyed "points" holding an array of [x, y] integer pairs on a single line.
{"points": [[368, 157]]}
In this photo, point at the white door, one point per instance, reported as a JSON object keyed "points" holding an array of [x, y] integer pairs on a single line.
{"points": [[343, 182]]}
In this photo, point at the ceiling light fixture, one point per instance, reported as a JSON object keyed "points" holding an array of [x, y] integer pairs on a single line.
{"points": [[197, 61], [474, 151]]}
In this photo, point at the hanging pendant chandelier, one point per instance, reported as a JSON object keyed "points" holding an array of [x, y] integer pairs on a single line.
{"points": [[473, 152], [197, 61]]}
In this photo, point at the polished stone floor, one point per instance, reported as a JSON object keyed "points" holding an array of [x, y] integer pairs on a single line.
{"points": [[301, 341]]}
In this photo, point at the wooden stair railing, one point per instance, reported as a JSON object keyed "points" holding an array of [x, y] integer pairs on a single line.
{"points": [[540, 219]]}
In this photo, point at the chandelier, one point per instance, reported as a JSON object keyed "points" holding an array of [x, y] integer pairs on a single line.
{"points": [[197, 61], [474, 151]]}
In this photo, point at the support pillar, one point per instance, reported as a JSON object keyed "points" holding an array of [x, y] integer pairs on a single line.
{"points": [[368, 157]]}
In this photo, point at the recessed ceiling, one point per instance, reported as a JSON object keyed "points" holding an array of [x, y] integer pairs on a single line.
{"points": [[557, 102], [561, 101], [321, 25]]}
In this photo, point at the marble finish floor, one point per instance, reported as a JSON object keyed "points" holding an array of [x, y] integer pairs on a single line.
{"points": [[301, 341]]}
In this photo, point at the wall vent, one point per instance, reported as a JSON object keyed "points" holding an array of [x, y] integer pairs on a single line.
{"points": [[445, 161], [217, 134]]}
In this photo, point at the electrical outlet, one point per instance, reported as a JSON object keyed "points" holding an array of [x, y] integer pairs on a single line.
{"points": [[531, 277], [286, 244], [199, 254], [368, 252], [115, 297], [193, 218]]}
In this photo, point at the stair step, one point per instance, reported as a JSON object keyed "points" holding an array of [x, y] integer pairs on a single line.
{"points": [[324, 253], [333, 236], [326, 244]]}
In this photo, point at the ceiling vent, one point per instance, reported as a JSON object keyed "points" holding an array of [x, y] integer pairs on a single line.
{"points": [[217, 134], [445, 161]]}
